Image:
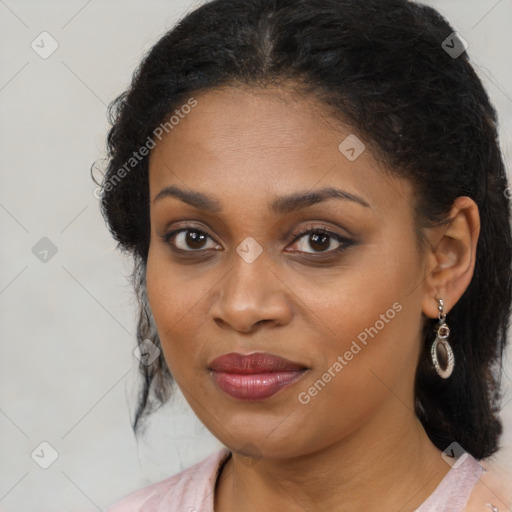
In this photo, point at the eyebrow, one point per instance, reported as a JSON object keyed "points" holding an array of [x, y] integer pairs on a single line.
{"points": [[280, 206]]}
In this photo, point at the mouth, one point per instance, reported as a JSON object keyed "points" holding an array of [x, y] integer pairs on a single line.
{"points": [[254, 376]]}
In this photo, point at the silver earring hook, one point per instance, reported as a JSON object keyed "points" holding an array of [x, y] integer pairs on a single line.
{"points": [[440, 306]]}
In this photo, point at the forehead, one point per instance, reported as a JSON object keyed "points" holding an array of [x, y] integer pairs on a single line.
{"points": [[261, 143], [249, 120]]}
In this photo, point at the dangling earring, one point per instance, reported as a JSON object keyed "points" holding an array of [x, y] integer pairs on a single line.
{"points": [[441, 351]]}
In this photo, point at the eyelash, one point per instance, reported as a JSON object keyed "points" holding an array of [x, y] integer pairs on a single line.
{"points": [[345, 243]]}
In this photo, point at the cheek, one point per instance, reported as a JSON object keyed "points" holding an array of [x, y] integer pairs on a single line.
{"points": [[369, 366], [370, 320], [175, 302], [372, 296]]}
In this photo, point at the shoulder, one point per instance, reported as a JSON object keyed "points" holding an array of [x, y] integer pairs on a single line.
{"points": [[493, 491], [188, 491]]}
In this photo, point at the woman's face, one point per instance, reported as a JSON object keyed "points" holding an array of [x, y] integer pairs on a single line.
{"points": [[342, 303]]}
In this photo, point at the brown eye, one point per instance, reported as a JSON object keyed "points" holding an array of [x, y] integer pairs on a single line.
{"points": [[189, 240], [320, 241]]}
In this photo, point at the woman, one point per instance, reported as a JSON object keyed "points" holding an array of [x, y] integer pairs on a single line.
{"points": [[315, 200]]}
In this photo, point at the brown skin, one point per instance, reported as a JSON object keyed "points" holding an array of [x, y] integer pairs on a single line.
{"points": [[357, 444]]}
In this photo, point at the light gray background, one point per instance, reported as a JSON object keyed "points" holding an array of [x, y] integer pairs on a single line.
{"points": [[68, 376]]}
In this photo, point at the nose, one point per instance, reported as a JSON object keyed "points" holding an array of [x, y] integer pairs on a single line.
{"points": [[251, 295]]}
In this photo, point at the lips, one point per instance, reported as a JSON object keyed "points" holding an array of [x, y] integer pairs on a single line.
{"points": [[254, 376]]}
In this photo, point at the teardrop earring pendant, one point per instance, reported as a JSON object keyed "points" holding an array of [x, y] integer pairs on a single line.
{"points": [[441, 351]]}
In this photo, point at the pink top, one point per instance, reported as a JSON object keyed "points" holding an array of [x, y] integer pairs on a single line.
{"points": [[467, 487]]}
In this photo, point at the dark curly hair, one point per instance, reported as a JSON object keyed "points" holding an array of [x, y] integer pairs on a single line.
{"points": [[382, 67]]}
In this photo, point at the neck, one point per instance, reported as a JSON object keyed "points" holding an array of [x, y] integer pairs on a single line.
{"points": [[385, 465]]}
